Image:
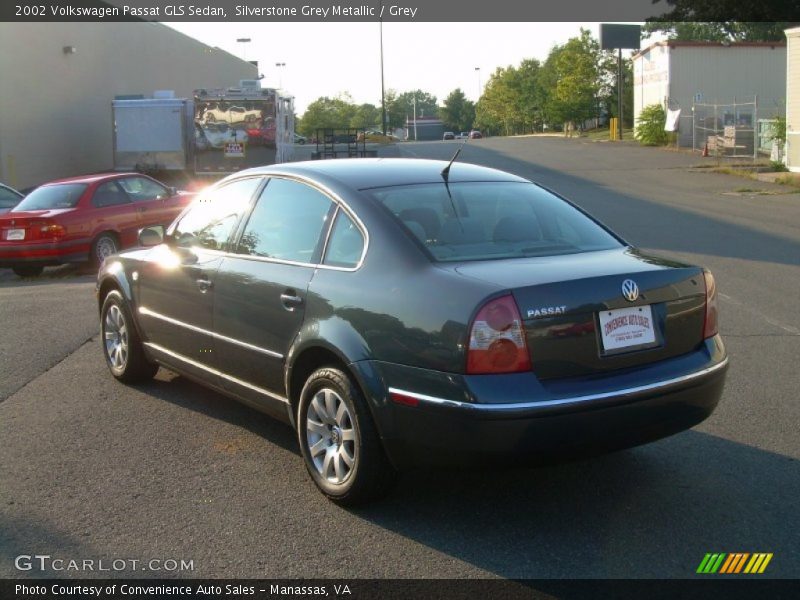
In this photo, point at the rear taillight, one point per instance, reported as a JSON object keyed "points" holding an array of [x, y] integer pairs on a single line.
{"points": [[711, 326], [51, 230], [497, 339]]}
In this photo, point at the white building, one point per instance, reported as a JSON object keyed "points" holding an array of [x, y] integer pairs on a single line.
{"points": [[793, 99], [57, 82], [679, 74]]}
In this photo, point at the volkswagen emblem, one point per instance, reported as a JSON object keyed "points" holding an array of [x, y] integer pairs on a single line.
{"points": [[630, 290]]}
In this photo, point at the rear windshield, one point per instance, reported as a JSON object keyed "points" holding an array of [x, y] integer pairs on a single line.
{"points": [[480, 221], [65, 195]]}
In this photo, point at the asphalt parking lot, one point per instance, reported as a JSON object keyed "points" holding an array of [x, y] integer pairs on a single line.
{"points": [[94, 469]]}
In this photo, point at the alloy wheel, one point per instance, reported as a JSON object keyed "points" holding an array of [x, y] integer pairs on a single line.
{"points": [[115, 332], [105, 247], [331, 436]]}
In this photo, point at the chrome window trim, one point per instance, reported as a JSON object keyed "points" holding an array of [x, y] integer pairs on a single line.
{"points": [[217, 372], [328, 240], [489, 408], [337, 200], [151, 313]]}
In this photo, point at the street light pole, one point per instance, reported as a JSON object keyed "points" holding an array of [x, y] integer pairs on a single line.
{"points": [[279, 65], [478, 69], [383, 89], [243, 41], [415, 117]]}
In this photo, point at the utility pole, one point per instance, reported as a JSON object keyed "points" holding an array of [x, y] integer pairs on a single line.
{"points": [[383, 89]]}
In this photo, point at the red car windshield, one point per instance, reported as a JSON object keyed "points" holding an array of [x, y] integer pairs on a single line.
{"points": [[48, 197]]}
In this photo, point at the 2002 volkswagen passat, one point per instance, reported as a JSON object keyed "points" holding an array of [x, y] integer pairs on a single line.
{"points": [[407, 312]]}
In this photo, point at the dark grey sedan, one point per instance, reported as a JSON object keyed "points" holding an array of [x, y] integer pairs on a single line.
{"points": [[407, 312]]}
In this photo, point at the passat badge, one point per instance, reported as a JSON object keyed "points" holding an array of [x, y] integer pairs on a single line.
{"points": [[546, 311], [630, 290]]}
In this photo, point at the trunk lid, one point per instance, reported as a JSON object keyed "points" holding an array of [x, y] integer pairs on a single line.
{"points": [[561, 300], [30, 222]]}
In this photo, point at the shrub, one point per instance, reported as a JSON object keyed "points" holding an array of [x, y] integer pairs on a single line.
{"points": [[778, 166], [650, 126]]}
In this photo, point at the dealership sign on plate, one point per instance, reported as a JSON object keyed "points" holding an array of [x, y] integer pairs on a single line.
{"points": [[627, 327], [234, 150]]}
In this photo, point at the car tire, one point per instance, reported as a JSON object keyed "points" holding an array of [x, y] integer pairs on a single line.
{"points": [[28, 270], [339, 442], [122, 347], [103, 246]]}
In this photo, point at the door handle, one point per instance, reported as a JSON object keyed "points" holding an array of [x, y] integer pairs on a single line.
{"points": [[204, 285], [290, 301]]}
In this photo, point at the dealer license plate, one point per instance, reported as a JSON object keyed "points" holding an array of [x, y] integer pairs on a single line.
{"points": [[15, 234], [627, 328]]}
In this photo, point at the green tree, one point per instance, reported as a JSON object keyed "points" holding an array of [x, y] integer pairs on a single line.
{"points": [[577, 86], [458, 113], [497, 109], [326, 112], [366, 116], [530, 95], [718, 31]]}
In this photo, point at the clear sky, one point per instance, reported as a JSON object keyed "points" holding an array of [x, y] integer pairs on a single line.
{"points": [[326, 59]]}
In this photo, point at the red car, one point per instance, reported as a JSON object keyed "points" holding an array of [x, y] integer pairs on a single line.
{"points": [[83, 219]]}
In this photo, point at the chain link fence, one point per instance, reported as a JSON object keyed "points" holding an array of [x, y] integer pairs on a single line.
{"points": [[728, 129]]}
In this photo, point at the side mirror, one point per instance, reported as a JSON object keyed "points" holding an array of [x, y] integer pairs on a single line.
{"points": [[151, 236], [173, 191]]}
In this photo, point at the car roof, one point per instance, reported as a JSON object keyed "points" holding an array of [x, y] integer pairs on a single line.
{"points": [[89, 178], [365, 173]]}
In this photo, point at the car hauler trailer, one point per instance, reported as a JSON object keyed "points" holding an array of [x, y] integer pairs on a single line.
{"points": [[238, 128], [217, 131]]}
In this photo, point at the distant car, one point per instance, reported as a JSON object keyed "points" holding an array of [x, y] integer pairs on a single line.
{"points": [[463, 135], [406, 312], [448, 135], [83, 219], [375, 137], [475, 134], [9, 198], [300, 139]]}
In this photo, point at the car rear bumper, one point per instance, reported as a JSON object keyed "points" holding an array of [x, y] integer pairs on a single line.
{"points": [[515, 419], [44, 253]]}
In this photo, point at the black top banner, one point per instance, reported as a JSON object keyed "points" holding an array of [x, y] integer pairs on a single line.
{"points": [[400, 10]]}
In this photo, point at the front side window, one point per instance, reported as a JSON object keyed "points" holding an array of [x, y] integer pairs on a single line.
{"points": [[140, 189], [286, 222], [212, 218], [492, 220], [47, 197], [346, 243], [109, 194]]}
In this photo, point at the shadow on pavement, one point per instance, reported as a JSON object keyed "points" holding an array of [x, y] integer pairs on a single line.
{"points": [[653, 511]]}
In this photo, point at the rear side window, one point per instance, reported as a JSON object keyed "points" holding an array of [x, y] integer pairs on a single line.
{"points": [[213, 217], [487, 220], [286, 222], [139, 189], [64, 195], [346, 243]]}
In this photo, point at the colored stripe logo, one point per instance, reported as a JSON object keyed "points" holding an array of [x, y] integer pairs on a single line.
{"points": [[733, 563]]}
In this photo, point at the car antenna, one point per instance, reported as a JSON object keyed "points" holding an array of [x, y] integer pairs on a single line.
{"points": [[445, 175], [446, 170]]}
